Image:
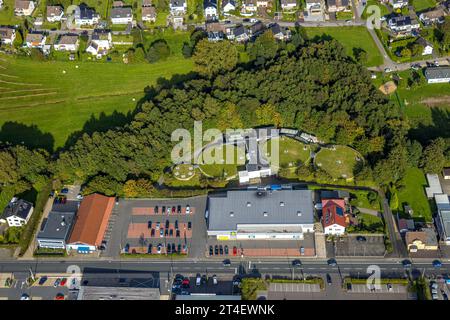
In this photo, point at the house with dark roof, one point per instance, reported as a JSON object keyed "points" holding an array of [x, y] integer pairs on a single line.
{"points": [[17, 212], [55, 230], [257, 28], [240, 34], [178, 7], [100, 43], [403, 24], [210, 8], [334, 216], [280, 33], [228, 5], [437, 74], [86, 16], [121, 15], [54, 13], [260, 214], [7, 35], [446, 173], [91, 223], [67, 42], [432, 17]]}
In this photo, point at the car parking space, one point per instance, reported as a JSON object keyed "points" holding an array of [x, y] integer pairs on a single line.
{"points": [[294, 287], [357, 245], [160, 226], [203, 284], [384, 288], [259, 248]]}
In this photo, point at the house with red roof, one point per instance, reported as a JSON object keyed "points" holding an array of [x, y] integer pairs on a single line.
{"points": [[334, 216]]}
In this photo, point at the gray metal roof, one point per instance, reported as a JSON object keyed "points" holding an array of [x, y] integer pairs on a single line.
{"points": [[260, 207], [57, 226], [19, 208], [438, 73], [118, 293]]}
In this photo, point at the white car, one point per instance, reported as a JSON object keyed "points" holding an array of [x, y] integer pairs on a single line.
{"points": [[188, 210], [159, 248], [214, 279]]}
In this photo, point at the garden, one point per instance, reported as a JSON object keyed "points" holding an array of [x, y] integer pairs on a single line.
{"points": [[338, 161]]}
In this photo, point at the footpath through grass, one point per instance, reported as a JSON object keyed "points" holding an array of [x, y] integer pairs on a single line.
{"points": [[60, 97], [351, 38]]}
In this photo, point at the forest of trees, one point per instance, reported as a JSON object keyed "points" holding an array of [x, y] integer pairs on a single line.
{"points": [[314, 87]]}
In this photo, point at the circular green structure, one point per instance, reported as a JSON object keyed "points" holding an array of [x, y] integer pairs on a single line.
{"points": [[225, 167], [291, 151], [338, 161], [183, 171]]}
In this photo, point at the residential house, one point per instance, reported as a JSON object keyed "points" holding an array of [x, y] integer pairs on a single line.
{"points": [[256, 28], [263, 3], [403, 24], [432, 17], [421, 240], [215, 31], [309, 138], [443, 217], [405, 225], [438, 74], [446, 173], [7, 35], [86, 16], [334, 218], [35, 40], [228, 5], [210, 8], [288, 4], [427, 46], [249, 6], [54, 13], [118, 4], [338, 5], [398, 4], [24, 7], [176, 21], [240, 34], [17, 212], [149, 14], [91, 223], [121, 15], [280, 33], [260, 215], [314, 7], [55, 230], [178, 7], [434, 186], [147, 3], [100, 43], [67, 42]]}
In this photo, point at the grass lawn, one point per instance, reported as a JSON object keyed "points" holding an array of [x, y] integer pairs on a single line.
{"points": [[351, 38], [40, 94], [383, 10], [227, 169], [7, 16], [344, 15], [359, 199], [421, 5], [184, 171], [414, 194], [290, 151], [339, 163]]}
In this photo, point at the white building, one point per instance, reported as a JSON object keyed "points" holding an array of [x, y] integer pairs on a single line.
{"points": [[438, 75], [228, 5], [55, 230], [35, 40], [210, 7], [67, 43], [178, 7], [100, 43], [17, 212], [260, 215], [288, 4], [54, 13], [121, 15], [398, 4], [24, 7], [86, 16], [7, 35]]}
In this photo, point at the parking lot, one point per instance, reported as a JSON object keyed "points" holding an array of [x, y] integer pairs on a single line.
{"points": [[150, 226], [349, 246]]}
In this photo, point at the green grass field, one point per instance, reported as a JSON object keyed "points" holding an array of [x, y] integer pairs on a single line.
{"points": [[351, 38], [7, 14], [339, 163], [383, 10], [59, 98], [414, 194], [227, 169], [290, 151], [422, 5]]}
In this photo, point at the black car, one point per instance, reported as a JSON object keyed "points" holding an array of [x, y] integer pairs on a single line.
{"points": [[246, 20], [42, 280], [178, 233], [156, 209], [211, 250], [189, 225], [204, 279], [152, 233], [221, 249], [361, 239], [216, 250], [179, 209], [179, 247], [226, 263], [328, 279], [127, 248], [296, 263], [349, 286], [173, 248], [406, 263], [149, 224], [226, 249], [167, 224], [332, 262], [150, 247], [163, 209], [176, 224], [171, 233], [166, 232], [169, 249]]}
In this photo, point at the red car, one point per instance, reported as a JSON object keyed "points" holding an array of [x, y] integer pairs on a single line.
{"points": [[59, 296], [234, 251], [63, 282]]}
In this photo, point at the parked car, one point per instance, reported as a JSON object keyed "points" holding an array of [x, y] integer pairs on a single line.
{"points": [[167, 224], [65, 190], [173, 248], [437, 264], [25, 296], [220, 249], [185, 283], [302, 251], [389, 287], [332, 262], [168, 210], [211, 250], [296, 263], [361, 239], [176, 224], [158, 225], [161, 233], [163, 209], [57, 282], [156, 210], [406, 263], [328, 279], [226, 263], [152, 233], [150, 247], [149, 224], [179, 209], [198, 281], [216, 249], [42, 280], [188, 209], [349, 286], [226, 250], [234, 251], [169, 249], [185, 248], [166, 232], [214, 280], [59, 296], [159, 248], [189, 225], [178, 233], [444, 296], [63, 282], [171, 233], [179, 248], [126, 249], [173, 209]]}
